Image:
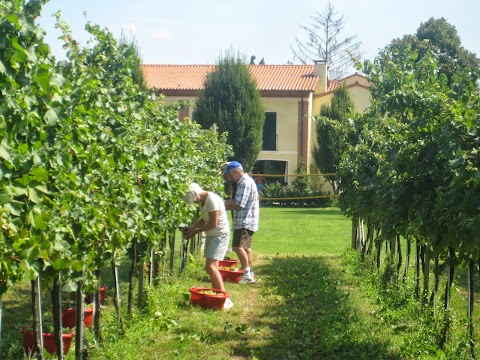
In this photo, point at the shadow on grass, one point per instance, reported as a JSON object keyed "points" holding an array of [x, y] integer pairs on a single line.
{"points": [[312, 317]]}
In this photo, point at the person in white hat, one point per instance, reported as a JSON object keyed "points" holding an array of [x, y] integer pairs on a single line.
{"points": [[214, 222]]}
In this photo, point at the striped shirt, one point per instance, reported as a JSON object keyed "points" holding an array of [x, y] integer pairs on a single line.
{"points": [[246, 197]]}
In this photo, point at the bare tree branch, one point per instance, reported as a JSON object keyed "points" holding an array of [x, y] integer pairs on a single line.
{"points": [[324, 43]]}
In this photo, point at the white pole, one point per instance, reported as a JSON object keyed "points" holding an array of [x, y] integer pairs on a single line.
{"points": [[39, 307], [117, 282], [1, 307], [152, 257]]}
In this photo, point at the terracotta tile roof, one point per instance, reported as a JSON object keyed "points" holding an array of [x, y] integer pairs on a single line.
{"points": [[333, 84], [288, 78]]}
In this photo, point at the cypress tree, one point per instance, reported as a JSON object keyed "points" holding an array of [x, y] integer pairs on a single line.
{"points": [[330, 144], [230, 100]]}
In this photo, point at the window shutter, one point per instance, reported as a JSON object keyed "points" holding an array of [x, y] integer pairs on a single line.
{"points": [[270, 132]]}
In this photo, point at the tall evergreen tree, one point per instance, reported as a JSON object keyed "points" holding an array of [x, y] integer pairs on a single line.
{"points": [[230, 100], [324, 43], [132, 53], [330, 139]]}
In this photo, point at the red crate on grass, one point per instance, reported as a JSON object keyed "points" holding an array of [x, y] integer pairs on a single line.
{"points": [[208, 298], [231, 275]]}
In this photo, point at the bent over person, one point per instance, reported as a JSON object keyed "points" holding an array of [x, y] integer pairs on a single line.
{"points": [[214, 222], [246, 213]]}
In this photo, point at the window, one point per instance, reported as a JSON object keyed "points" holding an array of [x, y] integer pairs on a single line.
{"points": [[270, 132], [271, 167]]}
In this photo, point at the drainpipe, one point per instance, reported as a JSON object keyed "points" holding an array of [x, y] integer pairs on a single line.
{"points": [[301, 127]]}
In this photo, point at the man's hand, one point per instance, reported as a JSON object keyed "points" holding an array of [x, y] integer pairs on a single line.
{"points": [[231, 205]]}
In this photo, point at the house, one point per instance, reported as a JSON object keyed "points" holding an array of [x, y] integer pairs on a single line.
{"points": [[291, 94]]}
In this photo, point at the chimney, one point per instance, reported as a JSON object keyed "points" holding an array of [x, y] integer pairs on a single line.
{"points": [[321, 70]]}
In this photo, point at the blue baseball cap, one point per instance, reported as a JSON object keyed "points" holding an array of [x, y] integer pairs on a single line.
{"points": [[232, 165]]}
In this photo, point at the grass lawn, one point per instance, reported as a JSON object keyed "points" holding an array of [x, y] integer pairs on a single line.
{"points": [[310, 301], [297, 231]]}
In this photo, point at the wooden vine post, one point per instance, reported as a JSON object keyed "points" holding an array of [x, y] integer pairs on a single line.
{"points": [[37, 316], [79, 325], [471, 298]]}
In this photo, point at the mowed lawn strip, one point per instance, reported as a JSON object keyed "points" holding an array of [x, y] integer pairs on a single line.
{"points": [[299, 231]]}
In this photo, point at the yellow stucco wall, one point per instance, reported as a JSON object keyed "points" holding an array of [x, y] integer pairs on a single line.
{"points": [[360, 97], [287, 127], [287, 130], [319, 101]]}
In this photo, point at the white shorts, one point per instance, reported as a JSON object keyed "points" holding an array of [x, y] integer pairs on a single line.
{"points": [[216, 246]]}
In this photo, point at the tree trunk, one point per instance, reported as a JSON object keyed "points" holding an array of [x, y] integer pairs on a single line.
{"points": [[1, 311], [379, 255], [117, 295], [184, 252], [194, 244], [80, 327], [141, 283], [408, 252], [451, 277], [37, 317], [96, 315], [369, 247], [393, 245], [131, 277], [360, 236], [436, 273], [153, 267], [471, 298], [418, 249], [354, 234], [400, 258], [57, 315], [446, 303], [162, 262], [426, 274], [172, 253]]}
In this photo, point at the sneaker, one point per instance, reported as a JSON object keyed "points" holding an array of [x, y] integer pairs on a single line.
{"points": [[228, 304], [247, 279]]}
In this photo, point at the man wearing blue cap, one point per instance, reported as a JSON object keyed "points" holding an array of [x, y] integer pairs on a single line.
{"points": [[246, 212]]}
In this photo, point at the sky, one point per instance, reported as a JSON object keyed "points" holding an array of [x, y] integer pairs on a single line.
{"points": [[199, 31]]}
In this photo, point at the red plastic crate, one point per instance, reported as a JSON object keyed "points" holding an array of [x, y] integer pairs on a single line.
{"points": [[227, 262], [231, 275], [208, 301]]}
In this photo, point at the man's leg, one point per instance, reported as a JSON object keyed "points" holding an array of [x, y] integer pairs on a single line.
{"points": [[237, 245], [242, 257], [241, 245], [249, 256]]}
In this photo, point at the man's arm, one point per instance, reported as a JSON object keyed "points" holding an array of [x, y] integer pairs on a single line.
{"points": [[232, 205]]}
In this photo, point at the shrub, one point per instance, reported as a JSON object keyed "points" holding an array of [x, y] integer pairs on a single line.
{"points": [[299, 194], [289, 196]]}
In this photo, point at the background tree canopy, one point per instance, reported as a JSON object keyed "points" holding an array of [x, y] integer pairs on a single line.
{"points": [[230, 100], [443, 39]]}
